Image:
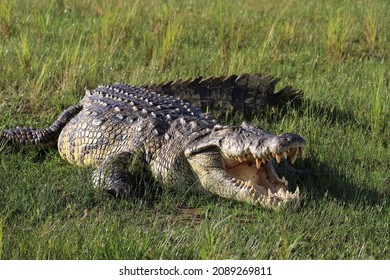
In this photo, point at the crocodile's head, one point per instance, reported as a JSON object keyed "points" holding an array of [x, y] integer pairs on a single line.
{"points": [[234, 162]]}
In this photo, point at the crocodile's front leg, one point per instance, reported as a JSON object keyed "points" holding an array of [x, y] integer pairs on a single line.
{"points": [[112, 174]]}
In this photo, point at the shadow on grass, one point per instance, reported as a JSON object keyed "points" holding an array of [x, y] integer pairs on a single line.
{"points": [[334, 115], [321, 181]]}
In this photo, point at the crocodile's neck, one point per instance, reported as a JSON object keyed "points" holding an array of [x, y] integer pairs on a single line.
{"points": [[168, 164]]}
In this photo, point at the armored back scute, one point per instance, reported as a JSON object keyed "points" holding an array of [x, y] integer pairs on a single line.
{"points": [[248, 94]]}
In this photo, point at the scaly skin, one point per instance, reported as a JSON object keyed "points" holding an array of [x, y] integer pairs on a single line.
{"points": [[249, 94], [179, 145]]}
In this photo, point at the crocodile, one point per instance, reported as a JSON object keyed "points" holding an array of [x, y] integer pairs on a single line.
{"points": [[176, 143]]}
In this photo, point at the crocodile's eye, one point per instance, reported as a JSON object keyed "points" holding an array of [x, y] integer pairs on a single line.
{"points": [[233, 128]]}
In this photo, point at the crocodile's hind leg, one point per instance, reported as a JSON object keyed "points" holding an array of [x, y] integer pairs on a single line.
{"points": [[25, 137], [112, 175]]}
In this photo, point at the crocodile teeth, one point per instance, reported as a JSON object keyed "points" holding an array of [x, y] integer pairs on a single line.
{"points": [[250, 187], [234, 180], [293, 157], [258, 163], [284, 181], [296, 193], [303, 153], [270, 194], [284, 154], [278, 157], [282, 193]]}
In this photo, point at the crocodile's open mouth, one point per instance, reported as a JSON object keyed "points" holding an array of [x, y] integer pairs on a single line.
{"points": [[246, 178], [258, 176]]}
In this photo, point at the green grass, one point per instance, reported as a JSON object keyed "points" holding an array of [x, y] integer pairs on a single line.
{"points": [[336, 52]]}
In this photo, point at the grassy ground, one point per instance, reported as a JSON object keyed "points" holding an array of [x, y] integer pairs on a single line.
{"points": [[336, 52]]}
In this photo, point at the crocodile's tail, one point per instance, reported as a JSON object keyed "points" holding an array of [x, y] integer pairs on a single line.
{"points": [[24, 137], [249, 94]]}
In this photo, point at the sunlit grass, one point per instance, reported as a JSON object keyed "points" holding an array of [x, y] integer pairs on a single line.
{"points": [[337, 36], [334, 51], [6, 7]]}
